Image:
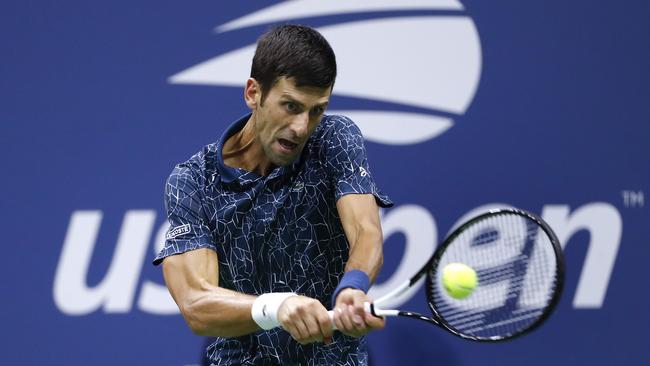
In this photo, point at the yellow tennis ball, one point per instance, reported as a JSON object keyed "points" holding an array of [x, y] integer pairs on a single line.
{"points": [[459, 280]]}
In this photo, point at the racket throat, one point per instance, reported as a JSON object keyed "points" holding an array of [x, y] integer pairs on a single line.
{"points": [[370, 308], [418, 316]]}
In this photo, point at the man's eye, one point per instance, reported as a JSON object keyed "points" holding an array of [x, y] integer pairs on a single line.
{"points": [[317, 111], [291, 107]]}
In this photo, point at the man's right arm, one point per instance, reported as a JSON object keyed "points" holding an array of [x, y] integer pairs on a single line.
{"points": [[210, 310]]}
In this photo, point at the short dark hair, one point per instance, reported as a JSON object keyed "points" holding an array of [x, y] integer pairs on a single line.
{"points": [[295, 51]]}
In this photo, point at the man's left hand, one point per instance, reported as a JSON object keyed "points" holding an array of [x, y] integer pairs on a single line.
{"points": [[350, 317]]}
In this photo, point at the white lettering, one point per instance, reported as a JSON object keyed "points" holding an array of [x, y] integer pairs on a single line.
{"points": [[605, 227], [116, 290]]}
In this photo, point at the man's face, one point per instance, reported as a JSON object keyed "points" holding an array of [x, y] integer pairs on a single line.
{"points": [[287, 117]]}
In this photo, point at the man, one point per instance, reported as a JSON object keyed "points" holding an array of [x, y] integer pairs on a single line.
{"points": [[278, 220]]}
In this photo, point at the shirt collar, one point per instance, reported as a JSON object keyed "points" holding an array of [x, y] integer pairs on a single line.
{"points": [[241, 176]]}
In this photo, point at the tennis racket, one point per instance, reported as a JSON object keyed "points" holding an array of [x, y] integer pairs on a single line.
{"points": [[520, 270]]}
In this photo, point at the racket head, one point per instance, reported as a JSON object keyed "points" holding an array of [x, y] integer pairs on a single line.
{"points": [[520, 269]]}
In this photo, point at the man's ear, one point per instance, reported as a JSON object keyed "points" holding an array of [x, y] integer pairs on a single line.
{"points": [[252, 93]]}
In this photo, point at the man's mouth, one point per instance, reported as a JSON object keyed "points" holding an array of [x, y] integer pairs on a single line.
{"points": [[287, 145]]}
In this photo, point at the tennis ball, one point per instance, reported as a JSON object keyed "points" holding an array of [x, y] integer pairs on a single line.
{"points": [[459, 280]]}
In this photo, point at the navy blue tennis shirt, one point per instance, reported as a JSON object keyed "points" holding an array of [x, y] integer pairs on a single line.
{"points": [[274, 233]]}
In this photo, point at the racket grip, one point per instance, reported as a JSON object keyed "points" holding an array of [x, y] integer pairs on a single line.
{"points": [[331, 314], [366, 307]]}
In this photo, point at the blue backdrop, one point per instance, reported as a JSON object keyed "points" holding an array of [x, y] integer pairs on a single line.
{"points": [[542, 105]]}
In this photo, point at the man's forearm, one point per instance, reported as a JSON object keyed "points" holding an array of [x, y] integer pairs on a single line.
{"points": [[366, 252], [218, 312], [192, 279], [360, 219]]}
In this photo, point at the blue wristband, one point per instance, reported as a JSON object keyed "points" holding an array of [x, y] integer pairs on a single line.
{"points": [[355, 279]]}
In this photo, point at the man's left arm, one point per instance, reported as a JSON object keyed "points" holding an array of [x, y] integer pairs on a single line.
{"points": [[359, 216]]}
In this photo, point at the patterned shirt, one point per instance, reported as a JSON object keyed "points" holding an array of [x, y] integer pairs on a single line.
{"points": [[274, 233]]}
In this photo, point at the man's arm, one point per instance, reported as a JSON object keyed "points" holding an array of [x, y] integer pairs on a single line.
{"points": [[210, 310], [360, 219]]}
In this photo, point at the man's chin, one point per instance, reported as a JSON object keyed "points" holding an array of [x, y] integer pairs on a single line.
{"points": [[283, 161]]}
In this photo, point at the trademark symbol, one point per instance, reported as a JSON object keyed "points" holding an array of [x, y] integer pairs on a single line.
{"points": [[633, 198]]}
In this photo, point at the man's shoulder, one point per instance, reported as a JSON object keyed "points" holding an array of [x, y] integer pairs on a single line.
{"points": [[332, 129], [200, 168], [335, 123], [336, 131]]}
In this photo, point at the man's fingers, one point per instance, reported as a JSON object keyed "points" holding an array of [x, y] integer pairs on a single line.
{"points": [[306, 320], [293, 330], [346, 320], [301, 331], [352, 318], [358, 305], [375, 322], [357, 319], [350, 327], [338, 320], [313, 327], [325, 327]]}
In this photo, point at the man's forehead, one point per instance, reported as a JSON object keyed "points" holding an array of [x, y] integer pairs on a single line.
{"points": [[287, 87]]}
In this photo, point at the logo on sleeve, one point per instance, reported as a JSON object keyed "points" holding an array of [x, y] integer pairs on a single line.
{"points": [[177, 231], [363, 171]]}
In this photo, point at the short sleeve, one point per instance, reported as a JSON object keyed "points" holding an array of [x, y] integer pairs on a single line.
{"points": [[188, 228], [347, 161]]}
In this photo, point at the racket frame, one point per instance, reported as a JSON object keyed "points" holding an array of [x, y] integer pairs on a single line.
{"points": [[432, 265]]}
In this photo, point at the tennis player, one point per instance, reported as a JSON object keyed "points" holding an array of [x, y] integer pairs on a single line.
{"points": [[278, 220]]}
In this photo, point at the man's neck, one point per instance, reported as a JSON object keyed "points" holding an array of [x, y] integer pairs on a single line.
{"points": [[243, 150]]}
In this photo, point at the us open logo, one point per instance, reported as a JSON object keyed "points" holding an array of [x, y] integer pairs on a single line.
{"points": [[423, 70], [420, 60]]}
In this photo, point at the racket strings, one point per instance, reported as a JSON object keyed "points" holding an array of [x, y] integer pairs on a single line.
{"points": [[516, 268]]}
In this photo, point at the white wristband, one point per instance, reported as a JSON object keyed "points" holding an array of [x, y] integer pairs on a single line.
{"points": [[265, 309]]}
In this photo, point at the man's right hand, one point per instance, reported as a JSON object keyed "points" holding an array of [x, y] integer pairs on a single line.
{"points": [[306, 319]]}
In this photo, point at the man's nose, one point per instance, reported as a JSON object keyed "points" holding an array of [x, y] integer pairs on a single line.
{"points": [[300, 124]]}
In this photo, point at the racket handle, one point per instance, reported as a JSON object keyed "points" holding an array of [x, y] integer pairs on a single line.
{"points": [[331, 314], [366, 306]]}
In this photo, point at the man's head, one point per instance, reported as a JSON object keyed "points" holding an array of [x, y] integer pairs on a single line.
{"points": [[293, 51], [291, 82]]}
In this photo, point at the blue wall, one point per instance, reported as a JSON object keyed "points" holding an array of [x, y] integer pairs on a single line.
{"points": [[543, 105]]}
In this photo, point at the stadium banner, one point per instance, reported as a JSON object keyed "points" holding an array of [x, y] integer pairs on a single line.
{"points": [[465, 106]]}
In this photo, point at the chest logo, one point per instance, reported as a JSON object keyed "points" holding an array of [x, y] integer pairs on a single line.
{"points": [[297, 187]]}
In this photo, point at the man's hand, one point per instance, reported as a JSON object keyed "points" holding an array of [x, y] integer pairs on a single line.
{"points": [[306, 319], [349, 315]]}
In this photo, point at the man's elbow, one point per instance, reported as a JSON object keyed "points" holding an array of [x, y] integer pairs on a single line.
{"points": [[207, 325], [193, 320], [200, 329]]}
